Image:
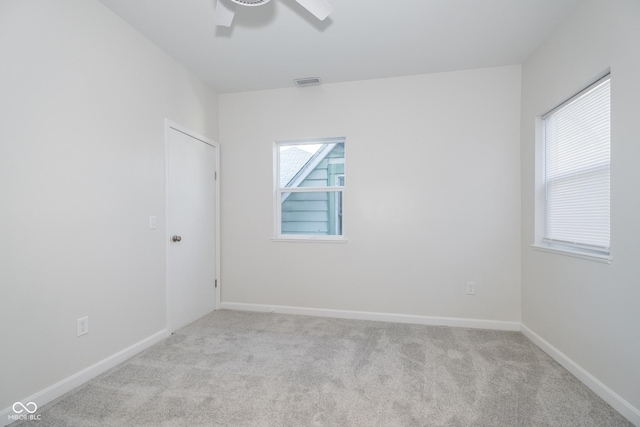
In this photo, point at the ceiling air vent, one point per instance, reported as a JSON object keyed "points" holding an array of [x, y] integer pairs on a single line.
{"points": [[307, 81]]}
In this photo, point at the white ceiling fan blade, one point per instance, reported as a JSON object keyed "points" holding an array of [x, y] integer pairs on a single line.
{"points": [[319, 8], [225, 10]]}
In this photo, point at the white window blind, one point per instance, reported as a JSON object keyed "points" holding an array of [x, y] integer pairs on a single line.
{"points": [[577, 170]]}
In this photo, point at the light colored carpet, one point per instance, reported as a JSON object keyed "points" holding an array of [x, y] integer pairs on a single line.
{"points": [[250, 369]]}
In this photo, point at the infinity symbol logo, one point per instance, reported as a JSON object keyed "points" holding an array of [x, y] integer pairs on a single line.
{"points": [[25, 407]]}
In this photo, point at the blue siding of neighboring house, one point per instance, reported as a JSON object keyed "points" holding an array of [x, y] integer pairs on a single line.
{"points": [[316, 213]]}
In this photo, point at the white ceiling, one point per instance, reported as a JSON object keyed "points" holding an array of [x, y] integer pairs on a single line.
{"points": [[270, 45]]}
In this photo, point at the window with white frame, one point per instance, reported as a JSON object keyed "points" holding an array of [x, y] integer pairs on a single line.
{"points": [[577, 159], [309, 189]]}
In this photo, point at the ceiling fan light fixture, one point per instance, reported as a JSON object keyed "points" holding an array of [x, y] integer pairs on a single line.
{"points": [[226, 9], [250, 2]]}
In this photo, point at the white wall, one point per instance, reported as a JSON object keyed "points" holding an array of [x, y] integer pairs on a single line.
{"points": [[82, 108], [590, 311], [432, 196]]}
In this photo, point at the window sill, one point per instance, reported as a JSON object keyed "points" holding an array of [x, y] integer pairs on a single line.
{"points": [[310, 239], [606, 259]]}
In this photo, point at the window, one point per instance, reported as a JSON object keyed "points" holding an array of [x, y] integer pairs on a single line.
{"points": [[309, 189], [577, 172]]}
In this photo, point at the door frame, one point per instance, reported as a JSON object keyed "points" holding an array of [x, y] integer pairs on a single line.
{"points": [[169, 125]]}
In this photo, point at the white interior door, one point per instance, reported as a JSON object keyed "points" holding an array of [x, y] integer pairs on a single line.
{"points": [[191, 228]]}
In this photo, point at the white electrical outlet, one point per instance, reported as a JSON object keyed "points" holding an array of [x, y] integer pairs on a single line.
{"points": [[153, 222], [83, 325], [471, 288]]}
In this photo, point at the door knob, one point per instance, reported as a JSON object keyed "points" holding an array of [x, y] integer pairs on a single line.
{"points": [[176, 238]]}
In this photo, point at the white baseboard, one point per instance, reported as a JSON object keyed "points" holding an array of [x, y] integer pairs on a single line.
{"points": [[61, 387], [380, 317], [618, 403]]}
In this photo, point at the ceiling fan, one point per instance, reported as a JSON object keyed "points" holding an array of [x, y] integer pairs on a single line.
{"points": [[226, 9]]}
